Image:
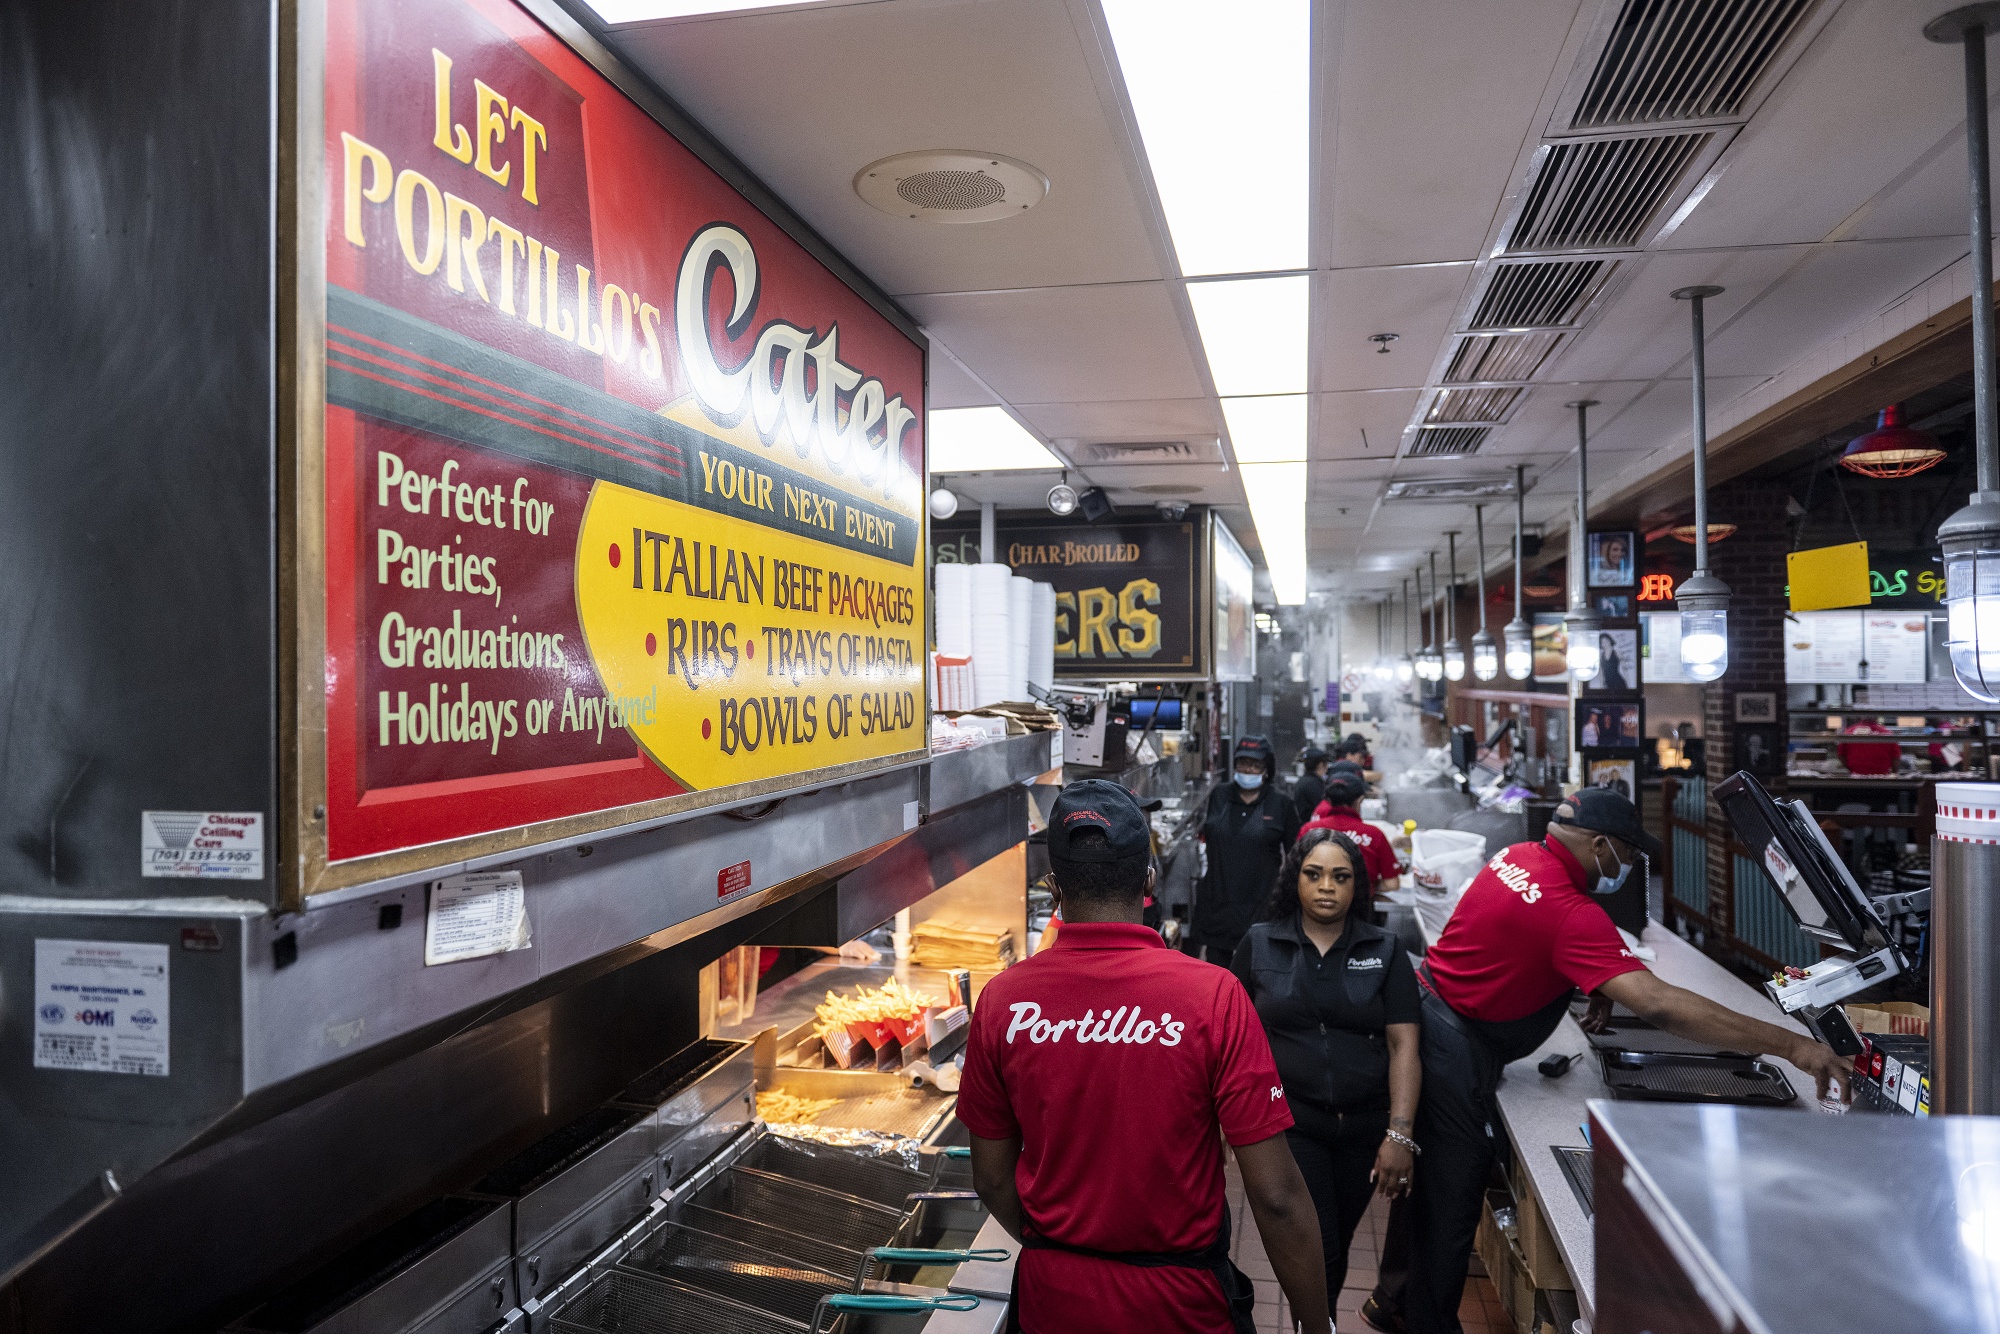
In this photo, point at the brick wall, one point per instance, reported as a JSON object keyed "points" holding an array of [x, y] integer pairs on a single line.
{"points": [[1752, 563]]}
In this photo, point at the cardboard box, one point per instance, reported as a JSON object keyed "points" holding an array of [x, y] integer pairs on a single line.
{"points": [[1505, 1268], [1537, 1242], [1905, 1017]]}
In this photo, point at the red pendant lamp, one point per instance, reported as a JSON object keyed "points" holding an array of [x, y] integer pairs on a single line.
{"points": [[1892, 449], [1718, 529]]}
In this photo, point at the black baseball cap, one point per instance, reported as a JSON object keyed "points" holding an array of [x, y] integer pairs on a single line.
{"points": [[1344, 788], [1345, 767], [1099, 803], [1256, 748], [1599, 810]]}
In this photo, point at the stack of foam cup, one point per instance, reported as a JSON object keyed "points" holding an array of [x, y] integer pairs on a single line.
{"points": [[992, 595], [1042, 637], [1020, 616], [954, 611]]}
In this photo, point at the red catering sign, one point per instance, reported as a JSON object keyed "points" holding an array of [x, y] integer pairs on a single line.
{"points": [[623, 486]]}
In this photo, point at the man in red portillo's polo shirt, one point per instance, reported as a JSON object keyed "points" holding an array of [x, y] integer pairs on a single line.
{"points": [[1340, 811], [1524, 938], [1097, 1075]]}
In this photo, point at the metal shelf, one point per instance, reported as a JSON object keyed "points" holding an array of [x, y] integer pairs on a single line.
{"points": [[268, 1010]]}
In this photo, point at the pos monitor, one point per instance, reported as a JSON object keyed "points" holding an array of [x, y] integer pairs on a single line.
{"points": [[1819, 891]]}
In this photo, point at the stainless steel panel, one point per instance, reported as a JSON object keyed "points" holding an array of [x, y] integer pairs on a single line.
{"points": [[939, 852], [1729, 1218], [463, 1285], [961, 775], [541, 1264], [695, 1145], [1965, 978]]}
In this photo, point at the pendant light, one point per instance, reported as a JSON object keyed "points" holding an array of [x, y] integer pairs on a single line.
{"points": [[1580, 623], [1702, 598], [1519, 634], [1430, 663], [1485, 653], [1454, 656], [1971, 537], [1406, 666], [1892, 449]]}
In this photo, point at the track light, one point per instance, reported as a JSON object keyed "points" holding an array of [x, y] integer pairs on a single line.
{"points": [[943, 504], [1062, 498]]}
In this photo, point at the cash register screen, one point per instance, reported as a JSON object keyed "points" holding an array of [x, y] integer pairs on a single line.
{"points": [[1789, 847]]}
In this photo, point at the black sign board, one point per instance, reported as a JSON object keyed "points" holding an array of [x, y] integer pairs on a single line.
{"points": [[1129, 600]]}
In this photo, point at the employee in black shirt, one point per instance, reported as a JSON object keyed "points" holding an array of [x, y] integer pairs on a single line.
{"points": [[1248, 827], [1310, 790], [1339, 1001]]}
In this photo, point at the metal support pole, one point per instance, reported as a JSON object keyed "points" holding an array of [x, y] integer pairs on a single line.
{"points": [[1520, 531], [987, 541]]}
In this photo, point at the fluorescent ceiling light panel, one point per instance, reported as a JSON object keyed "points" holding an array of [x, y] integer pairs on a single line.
{"points": [[1277, 495], [1254, 331], [643, 11], [1223, 96], [1270, 429], [982, 440]]}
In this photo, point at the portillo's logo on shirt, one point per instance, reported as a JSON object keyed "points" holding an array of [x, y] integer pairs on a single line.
{"points": [[1515, 877], [1120, 1025]]}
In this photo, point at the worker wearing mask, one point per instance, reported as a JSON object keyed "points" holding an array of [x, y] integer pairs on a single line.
{"points": [[1101, 1078], [1249, 826], [1310, 790], [1341, 812], [1524, 938]]}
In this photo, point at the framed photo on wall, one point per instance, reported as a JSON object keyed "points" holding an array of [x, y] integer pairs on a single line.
{"points": [[1617, 663], [1614, 606], [1620, 776], [1758, 749], [1613, 560], [1610, 724], [1757, 706]]}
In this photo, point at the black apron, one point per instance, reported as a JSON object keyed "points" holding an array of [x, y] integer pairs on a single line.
{"points": [[1237, 1289], [1509, 1041]]}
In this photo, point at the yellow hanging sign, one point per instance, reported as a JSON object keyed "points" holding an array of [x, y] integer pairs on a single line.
{"points": [[1828, 577]]}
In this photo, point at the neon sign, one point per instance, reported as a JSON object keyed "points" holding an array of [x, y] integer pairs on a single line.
{"points": [[1656, 588]]}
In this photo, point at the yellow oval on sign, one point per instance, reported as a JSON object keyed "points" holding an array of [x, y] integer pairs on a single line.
{"points": [[733, 652]]}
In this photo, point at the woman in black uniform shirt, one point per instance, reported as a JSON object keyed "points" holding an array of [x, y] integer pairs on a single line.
{"points": [[1339, 1000]]}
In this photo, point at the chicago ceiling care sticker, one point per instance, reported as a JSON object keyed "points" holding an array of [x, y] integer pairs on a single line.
{"points": [[209, 845]]}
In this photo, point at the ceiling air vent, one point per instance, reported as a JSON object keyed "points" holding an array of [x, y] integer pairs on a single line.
{"points": [[1471, 405], [1450, 488], [1144, 451], [1669, 60], [1447, 441], [1485, 357], [1539, 295], [1601, 194]]}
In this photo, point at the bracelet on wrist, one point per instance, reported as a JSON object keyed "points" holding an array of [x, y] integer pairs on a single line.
{"points": [[1399, 1137]]}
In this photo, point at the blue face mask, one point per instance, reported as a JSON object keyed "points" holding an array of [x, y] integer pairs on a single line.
{"points": [[1249, 782], [1610, 884]]}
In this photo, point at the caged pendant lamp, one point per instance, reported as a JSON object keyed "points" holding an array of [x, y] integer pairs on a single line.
{"points": [[1892, 449], [1581, 624], [1519, 635], [1454, 656], [1485, 653], [1702, 598], [1971, 537]]}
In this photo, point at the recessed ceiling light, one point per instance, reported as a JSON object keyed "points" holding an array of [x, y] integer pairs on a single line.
{"points": [[983, 440], [951, 185], [1223, 97], [1254, 332], [1270, 429], [1277, 495]]}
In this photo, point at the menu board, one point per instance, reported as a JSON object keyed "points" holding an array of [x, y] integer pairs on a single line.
{"points": [[1660, 649], [1852, 647], [1897, 645], [1235, 582], [623, 487]]}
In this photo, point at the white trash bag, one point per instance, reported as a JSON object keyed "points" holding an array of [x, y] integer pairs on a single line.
{"points": [[1442, 864]]}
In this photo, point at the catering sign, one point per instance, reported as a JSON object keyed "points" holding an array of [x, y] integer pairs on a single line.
{"points": [[1128, 594], [622, 486]]}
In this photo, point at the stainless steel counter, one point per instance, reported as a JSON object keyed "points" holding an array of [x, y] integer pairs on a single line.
{"points": [[1732, 1218], [1540, 1113]]}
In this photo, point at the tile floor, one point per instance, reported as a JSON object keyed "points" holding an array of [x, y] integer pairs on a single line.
{"points": [[1479, 1311]]}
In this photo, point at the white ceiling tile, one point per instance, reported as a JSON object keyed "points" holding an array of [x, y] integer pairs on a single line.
{"points": [[1078, 344]]}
